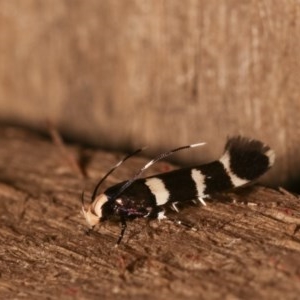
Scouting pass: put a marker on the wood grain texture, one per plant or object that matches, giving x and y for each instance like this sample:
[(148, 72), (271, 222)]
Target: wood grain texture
[(246, 246), (122, 74)]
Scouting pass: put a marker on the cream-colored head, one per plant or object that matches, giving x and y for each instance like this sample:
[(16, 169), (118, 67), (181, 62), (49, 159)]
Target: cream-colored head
[(93, 211)]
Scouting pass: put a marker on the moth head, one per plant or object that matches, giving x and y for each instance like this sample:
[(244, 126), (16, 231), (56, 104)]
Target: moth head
[(93, 211)]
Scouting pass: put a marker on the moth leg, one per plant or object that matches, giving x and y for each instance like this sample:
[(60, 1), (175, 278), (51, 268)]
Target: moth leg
[(201, 200), (183, 223), (157, 213), (161, 215), (174, 206), (153, 212), (123, 228)]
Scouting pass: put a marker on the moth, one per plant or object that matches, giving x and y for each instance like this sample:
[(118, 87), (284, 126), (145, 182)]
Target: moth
[(243, 161)]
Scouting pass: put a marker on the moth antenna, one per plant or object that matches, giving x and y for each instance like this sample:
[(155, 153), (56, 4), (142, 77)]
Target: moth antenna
[(112, 169), (150, 163)]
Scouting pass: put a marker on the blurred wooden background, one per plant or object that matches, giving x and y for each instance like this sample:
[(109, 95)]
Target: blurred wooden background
[(122, 74)]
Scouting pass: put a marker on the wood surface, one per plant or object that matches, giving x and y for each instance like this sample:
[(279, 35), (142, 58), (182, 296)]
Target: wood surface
[(124, 74), (246, 244)]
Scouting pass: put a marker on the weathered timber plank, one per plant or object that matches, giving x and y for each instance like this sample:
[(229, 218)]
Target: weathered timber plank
[(247, 244)]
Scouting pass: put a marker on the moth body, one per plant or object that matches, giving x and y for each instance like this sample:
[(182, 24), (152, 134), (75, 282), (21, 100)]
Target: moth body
[(243, 161)]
